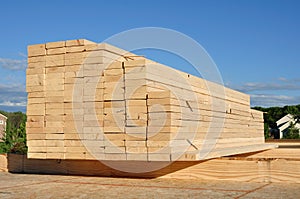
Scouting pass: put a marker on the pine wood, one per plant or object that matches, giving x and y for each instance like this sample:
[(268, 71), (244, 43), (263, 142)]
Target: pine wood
[(156, 106), (3, 163)]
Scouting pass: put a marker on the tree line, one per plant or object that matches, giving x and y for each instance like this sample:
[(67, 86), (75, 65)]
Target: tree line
[(273, 114), (14, 140)]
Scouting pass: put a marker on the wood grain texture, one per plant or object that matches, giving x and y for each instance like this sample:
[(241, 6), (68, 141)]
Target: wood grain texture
[(3, 163)]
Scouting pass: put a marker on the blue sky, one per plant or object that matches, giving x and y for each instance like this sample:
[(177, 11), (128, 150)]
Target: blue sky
[(255, 43)]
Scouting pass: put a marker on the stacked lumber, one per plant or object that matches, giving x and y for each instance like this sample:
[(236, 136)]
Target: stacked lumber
[(194, 115), (95, 101), (54, 70)]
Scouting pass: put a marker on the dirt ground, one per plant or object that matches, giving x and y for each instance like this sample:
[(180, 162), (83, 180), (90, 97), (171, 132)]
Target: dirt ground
[(56, 186)]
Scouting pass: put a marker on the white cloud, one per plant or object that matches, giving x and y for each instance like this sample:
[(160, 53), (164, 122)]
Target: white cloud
[(13, 64), (12, 88), (13, 97), (282, 84), (22, 55), (9, 103), (267, 94), (282, 79), (273, 100), (261, 86)]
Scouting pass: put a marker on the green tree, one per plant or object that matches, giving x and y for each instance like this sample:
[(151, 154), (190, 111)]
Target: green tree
[(267, 131), (273, 114), (292, 132), (14, 140)]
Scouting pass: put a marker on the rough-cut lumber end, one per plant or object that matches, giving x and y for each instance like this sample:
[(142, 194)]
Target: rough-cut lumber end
[(36, 50)]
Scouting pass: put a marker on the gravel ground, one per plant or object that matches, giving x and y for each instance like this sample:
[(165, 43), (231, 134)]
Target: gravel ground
[(56, 186)]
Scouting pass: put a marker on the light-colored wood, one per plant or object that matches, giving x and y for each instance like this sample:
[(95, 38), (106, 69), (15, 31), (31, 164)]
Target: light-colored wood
[(36, 50), (254, 167), (3, 163), (36, 60), (56, 51), (82, 91), (78, 42), (57, 44), (55, 60)]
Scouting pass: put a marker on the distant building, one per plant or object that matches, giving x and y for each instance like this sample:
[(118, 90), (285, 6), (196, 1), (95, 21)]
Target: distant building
[(3, 119), (284, 123)]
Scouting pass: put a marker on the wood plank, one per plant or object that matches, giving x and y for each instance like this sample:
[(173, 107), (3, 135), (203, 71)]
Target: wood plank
[(56, 51), (57, 44), (78, 42), (55, 60), (36, 50)]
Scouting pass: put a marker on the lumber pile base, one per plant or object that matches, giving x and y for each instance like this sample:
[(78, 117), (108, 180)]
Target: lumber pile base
[(276, 165)]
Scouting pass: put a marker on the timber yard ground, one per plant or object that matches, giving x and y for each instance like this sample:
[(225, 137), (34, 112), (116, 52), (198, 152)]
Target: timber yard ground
[(57, 186)]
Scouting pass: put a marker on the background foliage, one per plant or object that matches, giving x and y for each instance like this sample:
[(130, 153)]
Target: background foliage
[(14, 140), (272, 114)]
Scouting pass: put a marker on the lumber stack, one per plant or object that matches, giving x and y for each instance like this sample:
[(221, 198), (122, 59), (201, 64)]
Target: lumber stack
[(95, 101)]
